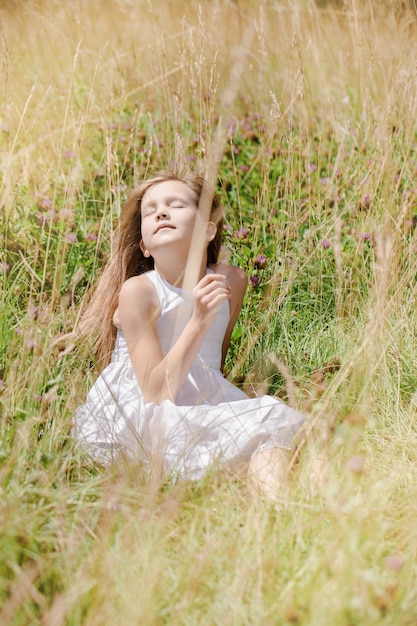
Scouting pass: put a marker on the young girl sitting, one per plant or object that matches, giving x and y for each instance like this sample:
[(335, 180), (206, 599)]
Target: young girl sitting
[(162, 399)]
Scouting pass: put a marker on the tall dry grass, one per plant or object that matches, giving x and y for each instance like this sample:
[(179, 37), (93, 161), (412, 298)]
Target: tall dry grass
[(307, 114)]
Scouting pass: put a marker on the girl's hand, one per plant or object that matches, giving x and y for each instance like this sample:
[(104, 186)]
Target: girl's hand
[(208, 294)]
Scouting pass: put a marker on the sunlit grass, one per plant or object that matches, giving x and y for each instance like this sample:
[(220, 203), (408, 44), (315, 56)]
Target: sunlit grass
[(306, 115)]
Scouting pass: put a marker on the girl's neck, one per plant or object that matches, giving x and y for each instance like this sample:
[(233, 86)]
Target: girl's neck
[(174, 274)]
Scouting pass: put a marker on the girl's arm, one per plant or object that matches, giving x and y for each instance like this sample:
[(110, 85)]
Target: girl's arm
[(160, 377)]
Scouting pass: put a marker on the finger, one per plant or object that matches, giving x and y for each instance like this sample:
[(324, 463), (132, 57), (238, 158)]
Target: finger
[(215, 285), (214, 279), (208, 298), (208, 278), (216, 301)]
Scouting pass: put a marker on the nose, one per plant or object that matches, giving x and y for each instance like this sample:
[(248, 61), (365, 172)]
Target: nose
[(161, 212)]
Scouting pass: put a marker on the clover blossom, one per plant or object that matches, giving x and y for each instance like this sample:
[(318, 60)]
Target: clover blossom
[(260, 261)]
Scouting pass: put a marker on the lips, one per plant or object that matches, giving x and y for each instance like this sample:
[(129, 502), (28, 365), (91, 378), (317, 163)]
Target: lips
[(161, 226)]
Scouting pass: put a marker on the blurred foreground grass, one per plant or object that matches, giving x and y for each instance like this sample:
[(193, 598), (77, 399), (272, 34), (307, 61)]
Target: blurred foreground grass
[(310, 113)]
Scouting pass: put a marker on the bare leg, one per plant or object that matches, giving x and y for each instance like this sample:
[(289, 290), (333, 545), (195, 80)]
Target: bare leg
[(268, 472), (318, 474)]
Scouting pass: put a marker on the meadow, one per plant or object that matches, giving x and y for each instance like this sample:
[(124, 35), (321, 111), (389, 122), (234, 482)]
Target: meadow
[(305, 116)]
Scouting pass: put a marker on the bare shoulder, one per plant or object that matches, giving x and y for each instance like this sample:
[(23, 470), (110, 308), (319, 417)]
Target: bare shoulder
[(137, 286), (236, 277), (137, 297), (238, 282)]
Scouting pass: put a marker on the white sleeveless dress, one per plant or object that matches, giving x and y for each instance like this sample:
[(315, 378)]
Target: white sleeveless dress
[(211, 421)]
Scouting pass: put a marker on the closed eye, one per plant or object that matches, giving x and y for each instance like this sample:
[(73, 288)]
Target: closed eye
[(147, 211)]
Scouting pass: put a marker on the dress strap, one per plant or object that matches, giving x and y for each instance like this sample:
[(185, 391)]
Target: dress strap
[(158, 283)]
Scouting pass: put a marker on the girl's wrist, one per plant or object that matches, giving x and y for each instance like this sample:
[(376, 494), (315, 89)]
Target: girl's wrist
[(198, 325)]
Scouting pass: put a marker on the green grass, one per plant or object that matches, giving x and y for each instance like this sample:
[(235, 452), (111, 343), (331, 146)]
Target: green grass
[(306, 113)]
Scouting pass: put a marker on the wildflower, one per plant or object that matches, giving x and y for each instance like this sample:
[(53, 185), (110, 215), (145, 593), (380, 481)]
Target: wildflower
[(120, 188), (394, 562), (231, 126), (44, 218), (242, 233), (318, 377), (355, 464), (91, 237), (4, 268), (29, 343), (41, 219), (44, 315), (254, 281), (361, 235), (260, 261), (19, 332), (71, 238), (45, 203), (326, 244), (289, 233), (244, 168), (66, 214), (365, 203), (410, 225), (312, 167), (33, 311), (69, 154)]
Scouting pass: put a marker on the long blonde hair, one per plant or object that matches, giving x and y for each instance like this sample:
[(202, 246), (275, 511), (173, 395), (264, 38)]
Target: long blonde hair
[(127, 260)]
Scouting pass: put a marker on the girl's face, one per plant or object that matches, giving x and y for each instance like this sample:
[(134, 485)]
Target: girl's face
[(168, 212)]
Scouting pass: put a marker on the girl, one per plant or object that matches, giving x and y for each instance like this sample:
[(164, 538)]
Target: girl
[(162, 398)]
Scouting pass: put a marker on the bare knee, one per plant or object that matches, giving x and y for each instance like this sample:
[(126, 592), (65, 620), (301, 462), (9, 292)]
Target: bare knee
[(268, 472)]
